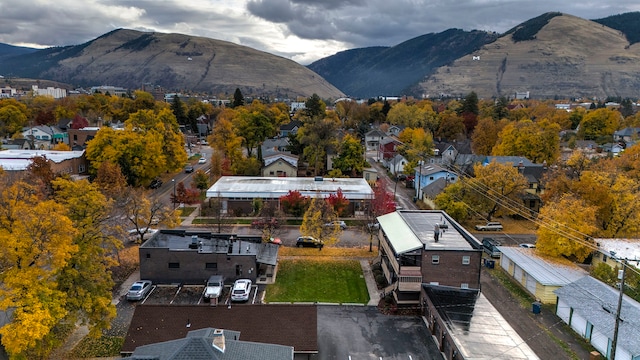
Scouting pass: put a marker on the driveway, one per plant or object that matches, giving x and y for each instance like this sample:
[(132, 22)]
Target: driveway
[(359, 333)]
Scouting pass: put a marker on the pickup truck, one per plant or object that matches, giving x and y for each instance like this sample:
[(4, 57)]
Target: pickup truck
[(490, 226), (214, 286)]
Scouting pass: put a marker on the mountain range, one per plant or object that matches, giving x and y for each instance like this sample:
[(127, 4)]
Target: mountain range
[(552, 55)]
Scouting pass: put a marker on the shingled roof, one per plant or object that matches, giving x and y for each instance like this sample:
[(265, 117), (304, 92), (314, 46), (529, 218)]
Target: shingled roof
[(281, 324)]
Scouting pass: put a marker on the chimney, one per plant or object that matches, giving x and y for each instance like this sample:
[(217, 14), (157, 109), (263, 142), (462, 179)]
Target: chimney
[(218, 340)]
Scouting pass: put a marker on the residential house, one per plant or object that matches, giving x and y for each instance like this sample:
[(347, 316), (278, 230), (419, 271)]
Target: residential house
[(290, 128), (373, 137), (209, 344), (280, 165), (396, 164), (613, 149), (179, 256), (274, 146), (370, 175), (465, 325), (203, 124), (395, 130), (16, 144), (538, 276), (430, 191), (589, 307), (7, 92), (388, 148), (613, 249), (236, 193), (44, 137), (445, 153), (73, 163), (287, 325), (627, 135), (297, 105), (427, 174), (426, 247)]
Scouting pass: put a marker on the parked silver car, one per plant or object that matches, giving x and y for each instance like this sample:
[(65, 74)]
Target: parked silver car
[(139, 290), (490, 226)]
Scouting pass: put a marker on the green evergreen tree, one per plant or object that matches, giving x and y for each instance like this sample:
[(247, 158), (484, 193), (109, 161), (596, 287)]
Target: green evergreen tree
[(238, 98)]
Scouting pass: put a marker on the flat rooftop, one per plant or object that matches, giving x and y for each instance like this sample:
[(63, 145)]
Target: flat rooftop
[(274, 187), (20, 159), (476, 326), (409, 230)]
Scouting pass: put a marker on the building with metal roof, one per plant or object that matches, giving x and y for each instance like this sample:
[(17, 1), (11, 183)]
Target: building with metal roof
[(613, 249), (427, 246), (539, 276), (237, 192), (467, 326), (589, 306)]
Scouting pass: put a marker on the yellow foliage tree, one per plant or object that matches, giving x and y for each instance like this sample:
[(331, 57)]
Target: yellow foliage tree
[(36, 243), (566, 230), (317, 215), (496, 187)]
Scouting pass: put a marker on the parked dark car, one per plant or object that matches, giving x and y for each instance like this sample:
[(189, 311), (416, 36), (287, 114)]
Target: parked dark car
[(188, 169), (155, 183), (309, 241)]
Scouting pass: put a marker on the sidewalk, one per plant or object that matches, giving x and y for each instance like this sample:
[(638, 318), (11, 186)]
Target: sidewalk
[(372, 287), (188, 221)]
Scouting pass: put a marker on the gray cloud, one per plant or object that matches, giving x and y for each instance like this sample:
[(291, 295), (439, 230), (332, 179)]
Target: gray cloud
[(276, 26)]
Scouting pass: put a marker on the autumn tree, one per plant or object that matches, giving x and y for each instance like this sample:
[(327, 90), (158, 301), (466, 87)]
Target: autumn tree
[(272, 219), (36, 242), (496, 187), (79, 122), (566, 229), (383, 201), (599, 123), (140, 211), (350, 158), (110, 180), (453, 200), (294, 203), (485, 136), (318, 136), (417, 146), (13, 117), (338, 202), (255, 126), (86, 278), (200, 180), (317, 215), (225, 139), (537, 141)]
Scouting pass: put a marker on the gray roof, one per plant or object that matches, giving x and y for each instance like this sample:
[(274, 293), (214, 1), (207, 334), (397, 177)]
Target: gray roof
[(544, 271), (198, 345), (597, 303), (408, 230)]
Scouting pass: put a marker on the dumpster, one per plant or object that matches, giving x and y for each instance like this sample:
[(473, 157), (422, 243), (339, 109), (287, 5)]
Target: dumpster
[(491, 264), (536, 306)]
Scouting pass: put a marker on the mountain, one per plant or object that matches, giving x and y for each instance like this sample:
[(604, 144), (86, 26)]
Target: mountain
[(375, 71), (129, 59), (7, 51), (553, 55)]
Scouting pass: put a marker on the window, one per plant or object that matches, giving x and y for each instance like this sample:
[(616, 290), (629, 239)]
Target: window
[(81, 168), (466, 260), (435, 259), (270, 172), (174, 265), (211, 265), (148, 256), (464, 286)]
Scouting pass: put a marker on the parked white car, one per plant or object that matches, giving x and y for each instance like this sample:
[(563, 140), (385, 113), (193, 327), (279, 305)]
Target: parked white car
[(241, 290), (214, 287), (490, 226)]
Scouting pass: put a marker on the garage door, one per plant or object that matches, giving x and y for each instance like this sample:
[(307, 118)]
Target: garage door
[(600, 342), (579, 324), (531, 284), (504, 262), (563, 311), (517, 274)]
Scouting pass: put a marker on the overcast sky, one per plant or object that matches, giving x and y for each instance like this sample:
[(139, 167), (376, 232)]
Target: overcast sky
[(301, 30)]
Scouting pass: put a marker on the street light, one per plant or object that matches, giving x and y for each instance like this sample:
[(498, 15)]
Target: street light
[(174, 193)]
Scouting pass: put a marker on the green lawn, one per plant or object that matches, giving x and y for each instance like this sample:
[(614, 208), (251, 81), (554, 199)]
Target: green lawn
[(332, 281)]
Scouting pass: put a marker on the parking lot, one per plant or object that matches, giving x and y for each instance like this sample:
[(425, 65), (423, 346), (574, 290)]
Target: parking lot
[(194, 295)]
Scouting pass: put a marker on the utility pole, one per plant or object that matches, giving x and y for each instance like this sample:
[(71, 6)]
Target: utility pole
[(614, 342)]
